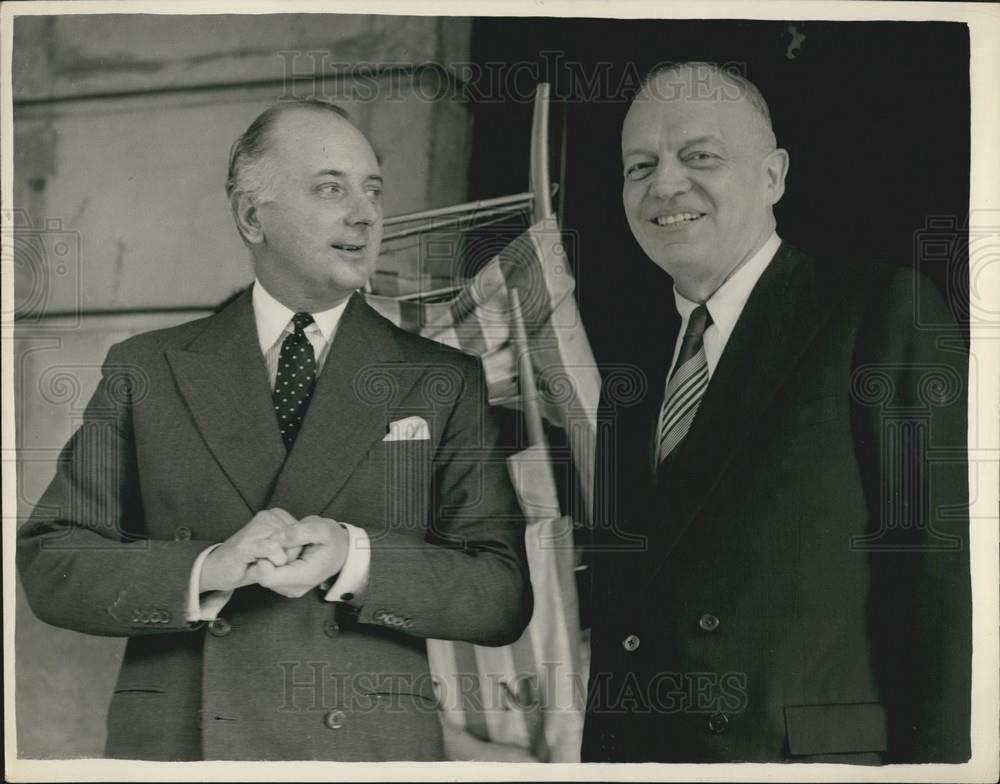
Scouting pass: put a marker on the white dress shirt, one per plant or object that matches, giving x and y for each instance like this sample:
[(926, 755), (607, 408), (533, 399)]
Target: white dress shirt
[(725, 305), (274, 323)]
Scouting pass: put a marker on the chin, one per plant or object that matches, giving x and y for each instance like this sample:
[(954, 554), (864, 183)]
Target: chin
[(345, 285), (350, 277), (674, 263)]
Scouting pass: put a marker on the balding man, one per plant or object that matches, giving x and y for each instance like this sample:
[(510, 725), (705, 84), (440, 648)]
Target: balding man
[(318, 486), (782, 567)]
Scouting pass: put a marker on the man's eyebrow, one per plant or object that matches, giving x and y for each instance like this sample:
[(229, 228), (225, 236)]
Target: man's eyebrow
[(712, 138), (339, 173)]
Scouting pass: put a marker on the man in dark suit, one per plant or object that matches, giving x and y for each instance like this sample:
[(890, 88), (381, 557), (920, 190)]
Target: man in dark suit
[(781, 564), (277, 504)]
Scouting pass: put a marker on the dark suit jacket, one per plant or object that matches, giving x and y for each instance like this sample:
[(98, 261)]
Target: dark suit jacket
[(180, 448), (795, 587)]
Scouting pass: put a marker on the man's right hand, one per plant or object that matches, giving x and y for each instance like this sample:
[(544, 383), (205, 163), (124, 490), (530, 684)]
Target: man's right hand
[(226, 567)]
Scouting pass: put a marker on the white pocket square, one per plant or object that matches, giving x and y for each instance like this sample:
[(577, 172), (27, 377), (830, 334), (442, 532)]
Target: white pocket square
[(412, 428)]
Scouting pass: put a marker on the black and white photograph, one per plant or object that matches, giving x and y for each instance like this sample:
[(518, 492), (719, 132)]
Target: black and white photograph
[(459, 385)]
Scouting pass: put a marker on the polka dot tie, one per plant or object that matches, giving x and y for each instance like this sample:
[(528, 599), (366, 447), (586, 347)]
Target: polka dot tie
[(296, 376)]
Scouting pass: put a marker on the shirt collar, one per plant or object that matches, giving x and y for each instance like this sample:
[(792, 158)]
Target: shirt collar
[(273, 318), (726, 304)]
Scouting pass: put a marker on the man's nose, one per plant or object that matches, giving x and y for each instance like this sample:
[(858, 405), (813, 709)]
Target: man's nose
[(670, 179), (364, 210)]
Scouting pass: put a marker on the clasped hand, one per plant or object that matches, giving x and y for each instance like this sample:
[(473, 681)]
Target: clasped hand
[(289, 556)]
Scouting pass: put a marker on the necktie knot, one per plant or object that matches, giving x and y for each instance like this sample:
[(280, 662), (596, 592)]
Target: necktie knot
[(699, 321), (300, 321)]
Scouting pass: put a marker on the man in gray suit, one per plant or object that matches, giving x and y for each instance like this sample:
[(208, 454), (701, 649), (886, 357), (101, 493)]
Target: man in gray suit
[(276, 504)]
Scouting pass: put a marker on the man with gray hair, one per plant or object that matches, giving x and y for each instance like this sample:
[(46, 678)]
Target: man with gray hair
[(780, 575), (277, 504)]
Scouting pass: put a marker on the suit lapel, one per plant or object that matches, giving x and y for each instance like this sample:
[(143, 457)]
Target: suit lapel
[(222, 377), (341, 425), (647, 413), (781, 317)]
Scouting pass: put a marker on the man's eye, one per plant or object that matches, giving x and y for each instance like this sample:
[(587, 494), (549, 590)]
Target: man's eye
[(375, 193), (329, 188), (637, 170), (702, 157)]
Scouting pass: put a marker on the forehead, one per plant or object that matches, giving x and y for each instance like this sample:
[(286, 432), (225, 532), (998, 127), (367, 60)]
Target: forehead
[(311, 139), (675, 108)]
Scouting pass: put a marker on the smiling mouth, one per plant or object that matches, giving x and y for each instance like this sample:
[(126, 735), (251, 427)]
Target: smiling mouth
[(679, 219), (347, 247)]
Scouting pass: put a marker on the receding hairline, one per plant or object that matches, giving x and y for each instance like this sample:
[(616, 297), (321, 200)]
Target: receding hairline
[(254, 146), (745, 91), (288, 111)]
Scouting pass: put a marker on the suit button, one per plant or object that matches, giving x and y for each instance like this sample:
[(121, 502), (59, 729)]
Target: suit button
[(220, 627), (630, 643), (182, 534), (708, 622), (718, 723), (334, 720), (330, 628)]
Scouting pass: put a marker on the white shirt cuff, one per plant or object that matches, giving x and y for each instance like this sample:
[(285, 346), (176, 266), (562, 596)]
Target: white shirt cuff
[(352, 581), (204, 606)]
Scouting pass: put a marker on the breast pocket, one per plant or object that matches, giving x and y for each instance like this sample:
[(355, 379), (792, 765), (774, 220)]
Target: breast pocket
[(408, 478), (391, 489)]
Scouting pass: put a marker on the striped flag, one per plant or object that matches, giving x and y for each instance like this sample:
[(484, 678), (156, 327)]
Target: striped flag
[(526, 700), (478, 321)]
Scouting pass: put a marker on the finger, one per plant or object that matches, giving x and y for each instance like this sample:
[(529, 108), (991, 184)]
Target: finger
[(292, 572), (272, 551), (312, 526), (251, 576), (286, 518), (266, 521), (269, 520), (264, 572), (317, 530), (317, 519), (288, 581)]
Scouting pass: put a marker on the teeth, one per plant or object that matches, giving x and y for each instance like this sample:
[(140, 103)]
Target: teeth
[(670, 220)]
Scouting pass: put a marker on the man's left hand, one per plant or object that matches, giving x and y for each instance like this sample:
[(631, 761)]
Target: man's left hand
[(323, 544)]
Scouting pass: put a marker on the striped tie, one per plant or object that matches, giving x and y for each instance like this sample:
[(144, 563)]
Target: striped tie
[(686, 387)]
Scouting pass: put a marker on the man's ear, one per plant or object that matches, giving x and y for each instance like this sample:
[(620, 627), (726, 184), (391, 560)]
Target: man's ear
[(775, 170), (247, 221)]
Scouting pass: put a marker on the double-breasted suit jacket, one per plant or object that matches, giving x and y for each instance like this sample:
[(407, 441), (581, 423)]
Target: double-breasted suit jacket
[(793, 584), (180, 447)]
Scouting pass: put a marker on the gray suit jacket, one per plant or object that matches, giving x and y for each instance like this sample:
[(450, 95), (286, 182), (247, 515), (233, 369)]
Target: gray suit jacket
[(180, 448)]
